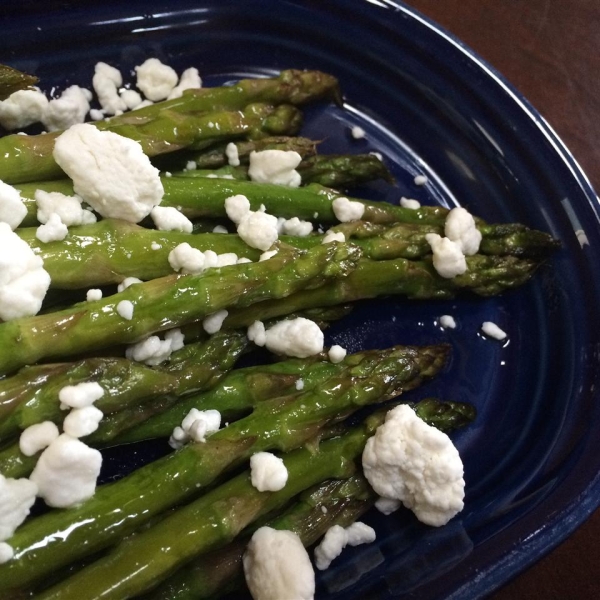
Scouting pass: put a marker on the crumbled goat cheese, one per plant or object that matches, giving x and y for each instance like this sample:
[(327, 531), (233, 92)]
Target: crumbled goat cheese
[(110, 172), (190, 79), (417, 464), (37, 437), (420, 179), (233, 157), (66, 472), (190, 165), (377, 155), (447, 322), (155, 246), (153, 351), (192, 261), (125, 309), (358, 133), (295, 226), (143, 105), (93, 294), (131, 98), (257, 333), (168, 218), (22, 108), (299, 384), (23, 280), (347, 210), (387, 505), (220, 229), (128, 282), (267, 255), (16, 498), (82, 421), (176, 338), (337, 354), (298, 337), (275, 166), (53, 230), (492, 330), (460, 228), (213, 323), (337, 538), (6, 552), (12, 209), (448, 258), (155, 79), (69, 109), (237, 207), (96, 115), (258, 229), (81, 395), (106, 82), (196, 425), (268, 473), (277, 566), (333, 236), (68, 208), (409, 203)]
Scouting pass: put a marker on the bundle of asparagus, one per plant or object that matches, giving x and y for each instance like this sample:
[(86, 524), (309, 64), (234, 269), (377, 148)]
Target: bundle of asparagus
[(133, 536)]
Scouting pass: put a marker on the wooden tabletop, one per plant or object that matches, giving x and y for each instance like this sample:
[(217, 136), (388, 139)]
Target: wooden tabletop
[(550, 50)]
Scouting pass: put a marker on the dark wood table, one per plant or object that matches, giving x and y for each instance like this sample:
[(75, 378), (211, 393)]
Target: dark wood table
[(550, 50)]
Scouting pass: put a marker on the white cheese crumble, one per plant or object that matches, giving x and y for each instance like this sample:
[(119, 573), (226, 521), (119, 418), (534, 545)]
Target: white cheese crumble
[(190, 79), (16, 498), (295, 226), (196, 426), (417, 464), (168, 218), (23, 280), (460, 228), (387, 506), (492, 330), (6, 552), (190, 165), (220, 229), (153, 351), (258, 229), (337, 538), (448, 258), (68, 208), (275, 166), (237, 207), (298, 337), (66, 472), (131, 98), (37, 437), (96, 115), (277, 566), (93, 294), (53, 230), (333, 236), (420, 179), (106, 82), (155, 246), (299, 384), (192, 261), (110, 172), (377, 155), (267, 255), (125, 309), (233, 157), (69, 109), (358, 133), (214, 322), (409, 203), (128, 282), (447, 322), (347, 210), (12, 208), (337, 354), (82, 421), (155, 79), (22, 108), (81, 395), (268, 473)]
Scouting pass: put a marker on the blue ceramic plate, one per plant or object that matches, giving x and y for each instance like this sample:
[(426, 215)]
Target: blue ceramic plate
[(429, 106)]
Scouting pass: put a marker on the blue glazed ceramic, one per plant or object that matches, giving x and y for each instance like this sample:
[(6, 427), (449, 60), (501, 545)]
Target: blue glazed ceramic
[(429, 106)]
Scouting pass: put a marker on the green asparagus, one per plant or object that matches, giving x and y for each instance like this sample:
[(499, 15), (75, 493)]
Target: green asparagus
[(167, 303), (282, 423)]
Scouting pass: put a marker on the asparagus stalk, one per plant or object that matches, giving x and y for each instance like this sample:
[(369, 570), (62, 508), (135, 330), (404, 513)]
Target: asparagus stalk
[(282, 423), (168, 302), (12, 81)]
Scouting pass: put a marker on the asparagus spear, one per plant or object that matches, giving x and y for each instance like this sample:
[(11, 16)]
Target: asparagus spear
[(12, 81), (282, 423), (29, 158), (168, 302), (220, 572)]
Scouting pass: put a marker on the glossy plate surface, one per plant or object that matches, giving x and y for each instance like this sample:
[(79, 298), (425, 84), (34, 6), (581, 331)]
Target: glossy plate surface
[(429, 106)]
